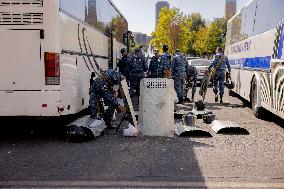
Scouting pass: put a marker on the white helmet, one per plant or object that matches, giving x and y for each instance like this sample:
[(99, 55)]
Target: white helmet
[(131, 131)]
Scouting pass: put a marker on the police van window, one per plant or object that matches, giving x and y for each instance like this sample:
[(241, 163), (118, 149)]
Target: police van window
[(267, 20), (74, 8)]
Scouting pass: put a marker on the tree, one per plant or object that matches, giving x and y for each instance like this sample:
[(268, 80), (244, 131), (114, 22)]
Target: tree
[(188, 33), (169, 30), (197, 21), (200, 45)]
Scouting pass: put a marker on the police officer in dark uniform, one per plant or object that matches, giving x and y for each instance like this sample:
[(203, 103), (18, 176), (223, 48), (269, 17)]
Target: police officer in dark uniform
[(191, 80), (102, 88), (179, 68), (220, 63), (166, 62), (155, 67), (137, 70), (124, 63)]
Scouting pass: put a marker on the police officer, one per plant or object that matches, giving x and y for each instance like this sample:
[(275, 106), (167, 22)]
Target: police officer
[(124, 63), (102, 88), (179, 68), (220, 63), (137, 70), (191, 78), (155, 67), (166, 63)]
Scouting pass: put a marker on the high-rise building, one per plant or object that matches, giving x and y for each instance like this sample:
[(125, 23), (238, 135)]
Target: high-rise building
[(231, 8), (159, 6), (141, 39), (91, 12)]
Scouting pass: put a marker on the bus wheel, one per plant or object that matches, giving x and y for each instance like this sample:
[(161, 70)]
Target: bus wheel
[(258, 111)]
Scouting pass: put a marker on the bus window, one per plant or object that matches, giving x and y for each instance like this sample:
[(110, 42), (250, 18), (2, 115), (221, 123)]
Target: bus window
[(236, 35), (248, 20), (268, 20), (100, 14), (74, 8)]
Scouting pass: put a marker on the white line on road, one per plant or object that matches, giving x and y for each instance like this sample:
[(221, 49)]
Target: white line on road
[(138, 184)]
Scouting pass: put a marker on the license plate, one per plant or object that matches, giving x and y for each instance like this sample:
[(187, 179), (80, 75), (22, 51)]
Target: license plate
[(202, 71)]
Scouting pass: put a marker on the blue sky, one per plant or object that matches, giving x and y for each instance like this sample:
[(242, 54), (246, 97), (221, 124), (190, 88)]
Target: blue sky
[(141, 13)]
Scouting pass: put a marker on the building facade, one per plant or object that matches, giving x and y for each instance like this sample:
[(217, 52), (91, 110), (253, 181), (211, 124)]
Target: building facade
[(141, 39), (231, 8), (159, 6)]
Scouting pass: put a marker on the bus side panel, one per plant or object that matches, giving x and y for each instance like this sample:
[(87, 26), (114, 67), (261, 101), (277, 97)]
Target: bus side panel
[(77, 68), (116, 53)]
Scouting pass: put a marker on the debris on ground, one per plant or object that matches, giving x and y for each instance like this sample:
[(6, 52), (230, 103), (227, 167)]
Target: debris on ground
[(195, 131), (84, 128), (228, 127), (130, 131)]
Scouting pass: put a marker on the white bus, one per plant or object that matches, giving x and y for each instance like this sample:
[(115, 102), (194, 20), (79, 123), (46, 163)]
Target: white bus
[(49, 50), (254, 46)]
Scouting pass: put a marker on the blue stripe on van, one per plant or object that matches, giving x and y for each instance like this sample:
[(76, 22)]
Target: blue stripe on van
[(262, 63)]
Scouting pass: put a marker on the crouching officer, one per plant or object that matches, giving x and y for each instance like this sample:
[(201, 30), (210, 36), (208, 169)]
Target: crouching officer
[(102, 88), (219, 65)]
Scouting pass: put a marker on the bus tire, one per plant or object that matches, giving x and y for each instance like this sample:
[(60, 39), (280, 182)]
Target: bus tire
[(258, 111)]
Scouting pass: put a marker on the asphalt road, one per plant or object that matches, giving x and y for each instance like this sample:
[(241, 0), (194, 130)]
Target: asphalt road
[(36, 154)]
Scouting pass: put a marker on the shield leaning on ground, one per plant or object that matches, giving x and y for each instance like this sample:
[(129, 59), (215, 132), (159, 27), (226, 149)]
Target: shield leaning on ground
[(228, 127), (182, 130)]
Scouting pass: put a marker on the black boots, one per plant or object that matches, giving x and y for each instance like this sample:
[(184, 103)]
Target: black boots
[(216, 98), (180, 101), (221, 99)]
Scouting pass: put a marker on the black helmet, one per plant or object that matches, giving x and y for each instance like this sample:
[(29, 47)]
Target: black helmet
[(199, 104), (123, 50), (113, 76), (165, 48)]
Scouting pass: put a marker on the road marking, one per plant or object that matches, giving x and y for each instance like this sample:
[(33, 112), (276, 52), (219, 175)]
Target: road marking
[(138, 184)]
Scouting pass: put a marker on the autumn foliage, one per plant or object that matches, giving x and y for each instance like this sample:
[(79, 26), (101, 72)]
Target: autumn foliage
[(189, 33)]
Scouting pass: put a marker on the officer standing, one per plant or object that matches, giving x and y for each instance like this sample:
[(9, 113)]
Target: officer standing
[(155, 67), (166, 63), (102, 88), (179, 68), (125, 63), (219, 64), (191, 78), (137, 70)]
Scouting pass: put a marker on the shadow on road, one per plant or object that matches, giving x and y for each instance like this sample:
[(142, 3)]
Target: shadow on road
[(36, 150), (28, 128)]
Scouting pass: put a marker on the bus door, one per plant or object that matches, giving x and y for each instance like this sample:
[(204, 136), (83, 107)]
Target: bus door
[(21, 65)]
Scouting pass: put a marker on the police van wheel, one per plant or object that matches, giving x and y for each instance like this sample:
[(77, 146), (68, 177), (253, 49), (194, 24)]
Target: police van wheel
[(258, 111)]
